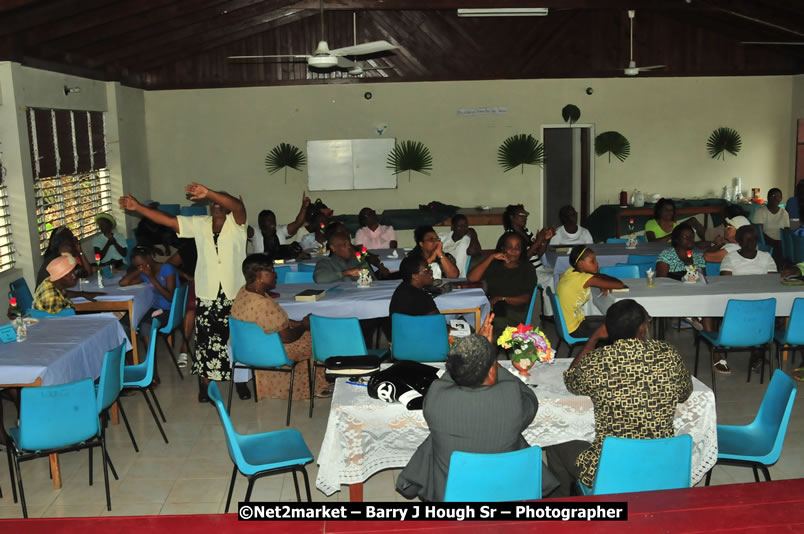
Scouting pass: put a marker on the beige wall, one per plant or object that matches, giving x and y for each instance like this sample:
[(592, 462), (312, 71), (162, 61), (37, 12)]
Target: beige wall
[(220, 137), (798, 113)]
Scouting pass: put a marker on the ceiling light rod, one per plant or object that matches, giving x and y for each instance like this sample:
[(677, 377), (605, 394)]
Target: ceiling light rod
[(503, 12)]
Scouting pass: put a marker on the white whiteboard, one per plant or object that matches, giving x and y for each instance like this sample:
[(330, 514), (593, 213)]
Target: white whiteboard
[(346, 164)]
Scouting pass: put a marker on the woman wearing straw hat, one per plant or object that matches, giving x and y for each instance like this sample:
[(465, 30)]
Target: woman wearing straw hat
[(110, 245), (53, 295)]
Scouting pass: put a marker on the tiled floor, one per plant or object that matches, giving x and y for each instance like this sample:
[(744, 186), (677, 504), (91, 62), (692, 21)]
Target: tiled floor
[(191, 474)]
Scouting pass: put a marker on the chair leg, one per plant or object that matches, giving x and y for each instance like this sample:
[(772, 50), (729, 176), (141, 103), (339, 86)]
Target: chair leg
[(306, 484), (296, 485), (90, 466), (156, 401), (310, 382), (106, 473), (312, 389), (173, 356), (697, 353), (290, 394), (248, 490), (756, 473), (571, 350), (153, 413), (709, 476), (10, 467), (762, 370), (712, 367), (765, 472), (231, 390), (18, 472), (231, 488), (128, 427)]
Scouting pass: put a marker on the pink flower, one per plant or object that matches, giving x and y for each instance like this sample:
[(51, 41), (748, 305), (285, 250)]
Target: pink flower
[(97, 257), (12, 301), (364, 250), (631, 220), (689, 253), (357, 255)]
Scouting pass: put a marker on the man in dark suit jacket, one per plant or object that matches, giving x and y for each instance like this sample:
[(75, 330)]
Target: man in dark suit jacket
[(476, 406)]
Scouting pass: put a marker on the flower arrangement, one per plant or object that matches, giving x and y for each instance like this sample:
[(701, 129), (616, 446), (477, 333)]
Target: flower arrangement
[(364, 273), (631, 242), (692, 273), (362, 258), (530, 345)]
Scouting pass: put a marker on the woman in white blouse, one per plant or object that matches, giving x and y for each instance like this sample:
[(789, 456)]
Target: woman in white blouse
[(221, 242), (747, 260)]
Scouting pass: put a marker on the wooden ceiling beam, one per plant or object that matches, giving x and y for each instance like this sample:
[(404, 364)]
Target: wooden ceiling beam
[(40, 13), (425, 5), (8, 5)]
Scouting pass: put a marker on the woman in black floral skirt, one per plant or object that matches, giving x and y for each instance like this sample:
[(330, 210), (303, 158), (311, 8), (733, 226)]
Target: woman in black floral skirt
[(221, 242)]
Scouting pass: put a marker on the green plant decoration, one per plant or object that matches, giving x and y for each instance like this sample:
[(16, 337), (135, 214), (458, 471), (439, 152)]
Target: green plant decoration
[(723, 140), (410, 156), (522, 149), (614, 143), (283, 156), (571, 113)]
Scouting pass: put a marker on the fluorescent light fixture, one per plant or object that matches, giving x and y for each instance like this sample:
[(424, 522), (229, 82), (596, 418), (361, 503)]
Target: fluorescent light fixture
[(503, 12)]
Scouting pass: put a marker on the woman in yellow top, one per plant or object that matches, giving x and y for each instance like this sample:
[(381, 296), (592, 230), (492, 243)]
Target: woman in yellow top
[(573, 291), (220, 238), (664, 220)]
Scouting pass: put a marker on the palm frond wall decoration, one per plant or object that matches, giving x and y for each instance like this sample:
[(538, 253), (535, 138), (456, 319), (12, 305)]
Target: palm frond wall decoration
[(284, 156), (571, 113), (723, 140), (613, 143), (521, 149), (410, 156)]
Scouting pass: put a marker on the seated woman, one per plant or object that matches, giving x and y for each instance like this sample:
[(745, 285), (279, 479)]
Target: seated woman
[(510, 281), (664, 220), (62, 241), (460, 242), (728, 243), (747, 260), (515, 219), (372, 234), (253, 304), (340, 264), (673, 262), (573, 291), (410, 297), (570, 233), (430, 247), (52, 294), (110, 245)]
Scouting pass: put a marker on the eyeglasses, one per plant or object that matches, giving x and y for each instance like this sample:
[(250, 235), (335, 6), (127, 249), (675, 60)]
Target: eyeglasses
[(432, 240)]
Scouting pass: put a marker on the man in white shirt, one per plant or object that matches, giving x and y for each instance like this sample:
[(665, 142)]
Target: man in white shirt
[(267, 229), (570, 234), (747, 259), (461, 242), (718, 251), (372, 234)]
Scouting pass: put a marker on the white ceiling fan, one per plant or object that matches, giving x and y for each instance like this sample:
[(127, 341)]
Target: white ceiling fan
[(632, 69), (325, 58)]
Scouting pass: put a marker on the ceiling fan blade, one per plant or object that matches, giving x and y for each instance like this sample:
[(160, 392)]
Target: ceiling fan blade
[(776, 43), (363, 49), (344, 63), (305, 56), (651, 67)]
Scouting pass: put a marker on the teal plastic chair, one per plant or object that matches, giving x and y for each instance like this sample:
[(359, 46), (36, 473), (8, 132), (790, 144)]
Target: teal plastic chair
[(747, 324), (130, 245), (498, 477), (261, 455), (40, 314), (254, 349), (108, 389), (306, 268), (798, 248), (793, 337), (420, 338), (56, 419), (170, 209), (529, 318), (294, 277), (140, 377), (664, 463), (621, 271), (712, 268), (761, 234), (759, 444), (787, 244), (468, 262), (175, 322), (561, 325), (638, 259), (336, 336), (19, 290), (189, 211), (642, 268)]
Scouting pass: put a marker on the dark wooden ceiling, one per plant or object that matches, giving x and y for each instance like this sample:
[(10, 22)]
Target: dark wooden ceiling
[(162, 44)]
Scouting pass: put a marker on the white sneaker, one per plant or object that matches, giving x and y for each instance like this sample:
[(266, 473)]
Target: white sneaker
[(183, 359)]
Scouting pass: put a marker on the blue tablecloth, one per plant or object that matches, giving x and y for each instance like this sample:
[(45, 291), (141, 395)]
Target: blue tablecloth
[(142, 294), (384, 253), (608, 254), (61, 349)]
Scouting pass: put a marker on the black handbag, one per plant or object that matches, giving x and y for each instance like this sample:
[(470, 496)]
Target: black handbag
[(405, 381), (352, 365)]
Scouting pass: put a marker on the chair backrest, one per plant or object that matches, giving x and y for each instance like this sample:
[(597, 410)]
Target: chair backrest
[(419, 338), (306, 268), (294, 277), (641, 267), (111, 377), (232, 442), (253, 347), (189, 211), (336, 336), (40, 314), (747, 323), (713, 268), (616, 240), (19, 290), (787, 243), (636, 259), (760, 230), (798, 248), (177, 305), (621, 271), (147, 366), (507, 476), (170, 209), (558, 319), (773, 416), (532, 304), (468, 262), (662, 464), (130, 244), (795, 326), (57, 416)]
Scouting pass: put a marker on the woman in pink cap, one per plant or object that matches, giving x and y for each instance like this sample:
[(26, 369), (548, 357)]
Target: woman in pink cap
[(52, 295)]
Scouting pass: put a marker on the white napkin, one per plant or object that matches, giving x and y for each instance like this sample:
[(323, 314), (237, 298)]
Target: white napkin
[(394, 254)]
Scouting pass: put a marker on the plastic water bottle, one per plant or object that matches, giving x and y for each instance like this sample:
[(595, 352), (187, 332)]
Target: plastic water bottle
[(22, 330)]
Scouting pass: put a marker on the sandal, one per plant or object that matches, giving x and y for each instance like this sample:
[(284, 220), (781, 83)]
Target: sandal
[(756, 364), (324, 394), (798, 374), (722, 366)]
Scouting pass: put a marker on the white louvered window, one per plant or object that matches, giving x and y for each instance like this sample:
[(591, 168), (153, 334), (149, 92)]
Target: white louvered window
[(6, 241)]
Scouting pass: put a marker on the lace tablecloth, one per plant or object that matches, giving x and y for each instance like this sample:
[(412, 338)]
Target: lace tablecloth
[(365, 435)]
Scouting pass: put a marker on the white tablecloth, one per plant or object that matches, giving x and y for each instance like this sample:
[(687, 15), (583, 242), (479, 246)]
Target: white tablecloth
[(384, 253), (365, 435), (142, 294), (348, 300), (61, 349), (608, 255), (671, 298)]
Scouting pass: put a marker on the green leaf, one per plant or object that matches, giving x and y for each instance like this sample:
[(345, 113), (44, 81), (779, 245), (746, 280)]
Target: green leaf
[(522, 149), (571, 113), (410, 156), (284, 156), (723, 140), (613, 143)]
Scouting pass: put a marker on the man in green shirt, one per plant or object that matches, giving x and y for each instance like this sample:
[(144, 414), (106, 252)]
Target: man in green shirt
[(340, 264)]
